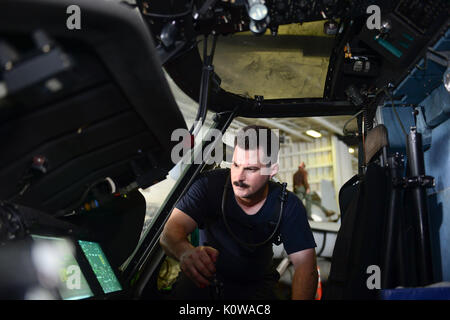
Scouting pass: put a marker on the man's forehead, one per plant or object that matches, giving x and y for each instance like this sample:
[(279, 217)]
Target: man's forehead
[(247, 157)]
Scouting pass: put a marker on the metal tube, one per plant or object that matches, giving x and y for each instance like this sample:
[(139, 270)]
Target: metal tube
[(361, 160), (205, 86), (389, 280), (416, 169)]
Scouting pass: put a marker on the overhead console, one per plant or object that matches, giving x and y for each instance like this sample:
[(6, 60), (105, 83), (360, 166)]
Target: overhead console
[(378, 57), (229, 16), (406, 29), (259, 15), (364, 61)]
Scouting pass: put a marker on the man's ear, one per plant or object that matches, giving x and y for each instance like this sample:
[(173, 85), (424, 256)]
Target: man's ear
[(274, 169)]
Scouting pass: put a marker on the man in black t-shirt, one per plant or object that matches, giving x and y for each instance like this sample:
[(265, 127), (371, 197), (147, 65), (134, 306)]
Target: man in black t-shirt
[(237, 213)]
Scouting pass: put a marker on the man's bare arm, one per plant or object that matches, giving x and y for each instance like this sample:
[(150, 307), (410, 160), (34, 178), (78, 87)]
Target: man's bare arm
[(174, 238), (304, 284)]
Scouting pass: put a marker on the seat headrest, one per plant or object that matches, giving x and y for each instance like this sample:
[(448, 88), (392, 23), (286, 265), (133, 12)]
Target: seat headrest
[(376, 139)]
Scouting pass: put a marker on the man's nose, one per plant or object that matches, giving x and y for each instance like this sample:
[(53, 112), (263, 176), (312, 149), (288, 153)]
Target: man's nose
[(241, 175)]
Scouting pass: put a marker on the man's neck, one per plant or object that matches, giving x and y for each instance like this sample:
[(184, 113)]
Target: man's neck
[(253, 204)]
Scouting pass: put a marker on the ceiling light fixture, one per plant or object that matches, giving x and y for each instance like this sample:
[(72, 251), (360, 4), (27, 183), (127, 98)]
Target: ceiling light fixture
[(313, 133), (259, 16)]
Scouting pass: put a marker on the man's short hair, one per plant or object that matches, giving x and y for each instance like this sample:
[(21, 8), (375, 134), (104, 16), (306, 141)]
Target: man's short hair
[(253, 137)]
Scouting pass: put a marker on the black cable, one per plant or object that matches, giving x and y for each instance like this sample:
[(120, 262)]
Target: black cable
[(224, 196), (172, 16), (398, 117), (207, 63), (80, 202), (11, 224), (188, 47), (213, 49), (168, 15), (205, 49), (366, 110), (368, 119), (395, 112), (344, 129), (323, 244), (21, 192)]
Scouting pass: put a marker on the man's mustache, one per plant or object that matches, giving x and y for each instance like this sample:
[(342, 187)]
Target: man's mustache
[(240, 184)]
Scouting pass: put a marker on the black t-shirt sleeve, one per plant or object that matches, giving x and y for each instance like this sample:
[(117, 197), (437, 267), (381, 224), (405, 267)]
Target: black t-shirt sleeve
[(194, 201), (295, 231)]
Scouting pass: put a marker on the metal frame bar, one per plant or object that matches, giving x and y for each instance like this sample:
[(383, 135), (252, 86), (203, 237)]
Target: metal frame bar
[(148, 255), (417, 168)]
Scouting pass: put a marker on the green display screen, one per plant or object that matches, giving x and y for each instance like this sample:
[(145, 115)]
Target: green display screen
[(100, 265), (58, 255)]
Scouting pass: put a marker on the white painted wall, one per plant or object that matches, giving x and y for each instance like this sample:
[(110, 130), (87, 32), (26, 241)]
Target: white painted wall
[(317, 156), (326, 158)]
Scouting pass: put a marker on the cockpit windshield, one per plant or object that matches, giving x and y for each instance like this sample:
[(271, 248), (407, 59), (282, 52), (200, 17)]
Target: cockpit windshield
[(293, 64)]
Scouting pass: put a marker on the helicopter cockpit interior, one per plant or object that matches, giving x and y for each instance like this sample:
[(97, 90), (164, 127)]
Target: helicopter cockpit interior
[(88, 110)]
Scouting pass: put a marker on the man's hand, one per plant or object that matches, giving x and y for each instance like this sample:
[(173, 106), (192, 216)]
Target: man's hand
[(199, 264)]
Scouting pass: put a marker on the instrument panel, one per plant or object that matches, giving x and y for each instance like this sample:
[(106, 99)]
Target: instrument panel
[(229, 16)]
